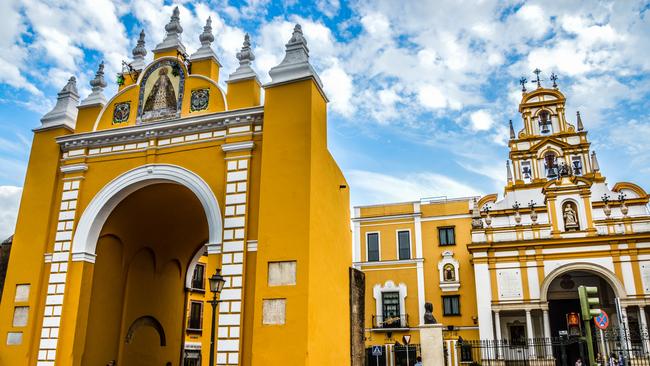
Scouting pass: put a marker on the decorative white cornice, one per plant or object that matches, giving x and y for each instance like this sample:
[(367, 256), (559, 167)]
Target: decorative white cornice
[(251, 245), (238, 146), (74, 168), (213, 248), (84, 257), (145, 132)]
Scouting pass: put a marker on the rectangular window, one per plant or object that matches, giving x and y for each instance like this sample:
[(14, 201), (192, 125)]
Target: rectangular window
[(451, 305), (372, 240), (404, 244), (196, 315), (446, 236), (197, 277), (390, 310)]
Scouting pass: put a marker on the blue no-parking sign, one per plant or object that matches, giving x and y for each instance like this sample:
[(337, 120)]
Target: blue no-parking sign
[(602, 320)]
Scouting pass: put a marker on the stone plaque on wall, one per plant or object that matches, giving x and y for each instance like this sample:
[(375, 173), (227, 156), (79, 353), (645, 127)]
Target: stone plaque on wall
[(509, 283), (22, 293), (20, 316), (274, 311), (282, 273), (14, 338), (645, 276)]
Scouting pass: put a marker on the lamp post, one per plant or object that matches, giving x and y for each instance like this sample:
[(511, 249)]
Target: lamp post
[(216, 285)]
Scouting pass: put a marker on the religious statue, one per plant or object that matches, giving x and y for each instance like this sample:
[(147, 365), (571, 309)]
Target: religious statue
[(570, 218), (428, 314), (162, 95), (448, 273)]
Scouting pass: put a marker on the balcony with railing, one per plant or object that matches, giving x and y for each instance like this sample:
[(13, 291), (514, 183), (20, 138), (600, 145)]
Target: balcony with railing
[(390, 323)]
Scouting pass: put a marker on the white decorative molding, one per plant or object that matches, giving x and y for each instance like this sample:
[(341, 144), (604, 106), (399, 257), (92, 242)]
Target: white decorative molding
[(386, 263), (94, 216), (84, 257), (390, 286), (251, 245), (448, 259), (238, 146), (175, 127), (74, 168)]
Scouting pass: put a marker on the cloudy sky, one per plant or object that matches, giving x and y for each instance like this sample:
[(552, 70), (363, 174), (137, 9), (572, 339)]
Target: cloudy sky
[(421, 91)]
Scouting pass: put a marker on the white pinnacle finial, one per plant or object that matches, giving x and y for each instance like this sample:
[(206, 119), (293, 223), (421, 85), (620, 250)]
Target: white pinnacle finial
[(65, 111), (206, 51), (594, 162), (295, 65), (509, 172), (98, 84), (139, 52), (245, 57), (173, 38)]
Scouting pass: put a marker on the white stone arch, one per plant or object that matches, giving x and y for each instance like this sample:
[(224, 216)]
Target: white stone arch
[(596, 269), (94, 216)]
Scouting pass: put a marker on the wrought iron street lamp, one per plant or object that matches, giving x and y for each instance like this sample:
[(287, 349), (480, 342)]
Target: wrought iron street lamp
[(216, 285)]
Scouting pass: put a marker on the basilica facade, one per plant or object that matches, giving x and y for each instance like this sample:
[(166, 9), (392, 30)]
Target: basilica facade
[(126, 197), (504, 271)]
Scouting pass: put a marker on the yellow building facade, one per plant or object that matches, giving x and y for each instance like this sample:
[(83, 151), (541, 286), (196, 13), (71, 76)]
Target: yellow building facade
[(413, 253), (126, 196)]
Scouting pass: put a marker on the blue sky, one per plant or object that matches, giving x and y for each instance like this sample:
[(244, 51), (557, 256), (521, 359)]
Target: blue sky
[(421, 91)]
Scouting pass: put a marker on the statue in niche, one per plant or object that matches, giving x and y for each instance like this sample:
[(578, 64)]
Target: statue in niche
[(428, 314), (448, 273), (162, 96), (570, 214)]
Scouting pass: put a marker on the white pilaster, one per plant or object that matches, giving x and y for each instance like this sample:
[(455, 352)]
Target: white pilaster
[(483, 300), (420, 265), (497, 327), (547, 333)]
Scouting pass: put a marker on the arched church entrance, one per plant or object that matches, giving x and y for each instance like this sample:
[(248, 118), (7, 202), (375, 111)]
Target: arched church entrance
[(137, 304), (564, 309), (143, 230)]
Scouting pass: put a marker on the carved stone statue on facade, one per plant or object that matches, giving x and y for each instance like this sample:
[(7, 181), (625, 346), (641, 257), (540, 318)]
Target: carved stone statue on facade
[(428, 314), (570, 218)]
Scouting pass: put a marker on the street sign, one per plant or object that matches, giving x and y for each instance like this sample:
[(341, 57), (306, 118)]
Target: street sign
[(602, 320), (376, 351), (406, 339)]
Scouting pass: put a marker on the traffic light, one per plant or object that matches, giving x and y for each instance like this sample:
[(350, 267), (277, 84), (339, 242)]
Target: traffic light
[(588, 302)]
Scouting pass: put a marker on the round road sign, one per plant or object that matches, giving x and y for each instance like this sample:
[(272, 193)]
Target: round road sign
[(602, 320)]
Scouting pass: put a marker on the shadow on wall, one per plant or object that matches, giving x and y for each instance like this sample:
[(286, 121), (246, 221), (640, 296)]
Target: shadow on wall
[(5, 249)]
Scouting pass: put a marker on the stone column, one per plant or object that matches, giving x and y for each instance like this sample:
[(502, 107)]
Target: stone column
[(497, 328), (547, 333), (644, 329), (626, 328), (530, 333), (431, 345)]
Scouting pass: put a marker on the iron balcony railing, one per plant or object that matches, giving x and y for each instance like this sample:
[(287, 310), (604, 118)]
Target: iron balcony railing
[(391, 322)]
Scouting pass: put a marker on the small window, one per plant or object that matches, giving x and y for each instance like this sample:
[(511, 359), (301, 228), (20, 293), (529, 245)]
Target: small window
[(196, 315), (404, 244), (451, 305), (446, 236), (372, 240), (197, 277)]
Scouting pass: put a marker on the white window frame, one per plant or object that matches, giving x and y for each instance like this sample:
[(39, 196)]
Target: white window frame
[(378, 244), (389, 286), (397, 244)]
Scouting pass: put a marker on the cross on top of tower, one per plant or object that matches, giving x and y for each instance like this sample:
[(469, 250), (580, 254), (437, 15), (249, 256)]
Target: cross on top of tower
[(538, 80), (523, 82), (554, 80)]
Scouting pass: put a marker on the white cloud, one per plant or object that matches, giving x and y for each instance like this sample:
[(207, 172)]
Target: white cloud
[(9, 201), (371, 187), (481, 120)]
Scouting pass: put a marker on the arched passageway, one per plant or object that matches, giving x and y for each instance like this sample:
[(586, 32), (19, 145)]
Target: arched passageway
[(142, 255)]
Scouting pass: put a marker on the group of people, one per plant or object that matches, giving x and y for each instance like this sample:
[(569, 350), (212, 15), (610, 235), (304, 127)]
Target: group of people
[(613, 360)]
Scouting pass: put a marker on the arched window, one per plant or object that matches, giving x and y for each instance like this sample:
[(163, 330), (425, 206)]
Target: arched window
[(550, 163), (545, 122), (449, 273)]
